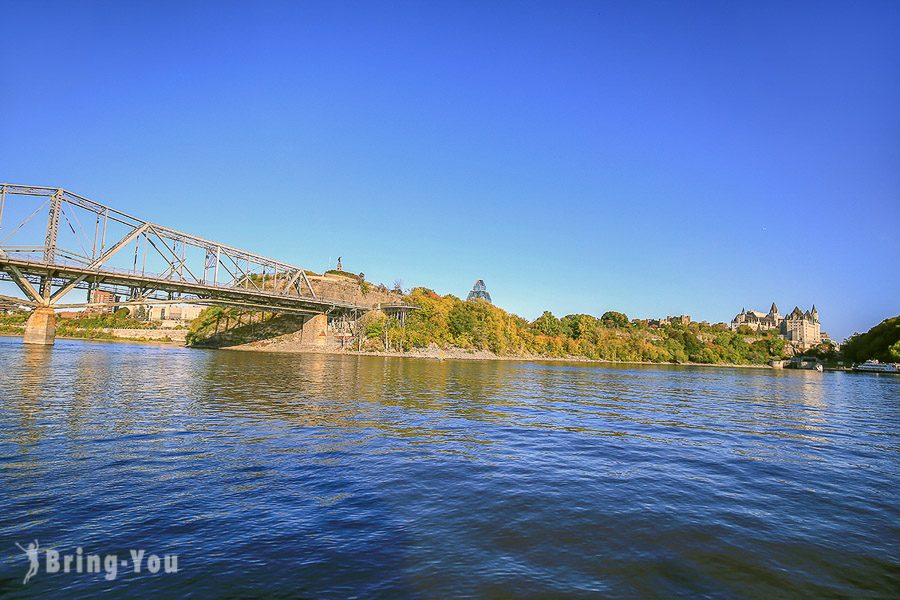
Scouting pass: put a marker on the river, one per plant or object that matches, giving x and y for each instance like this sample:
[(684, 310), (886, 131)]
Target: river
[(337, 476)]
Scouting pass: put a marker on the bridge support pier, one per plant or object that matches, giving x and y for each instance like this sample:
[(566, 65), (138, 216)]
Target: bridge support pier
[(315, 330), (41, 327)]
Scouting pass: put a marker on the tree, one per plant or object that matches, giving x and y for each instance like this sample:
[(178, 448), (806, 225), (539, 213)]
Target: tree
[(894, 351), (612, 318), (546, 324), (461, 320), (372, 324), (578, 326), (878, 343)]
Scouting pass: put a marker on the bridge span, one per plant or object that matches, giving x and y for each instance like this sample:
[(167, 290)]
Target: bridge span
[(53, 242)]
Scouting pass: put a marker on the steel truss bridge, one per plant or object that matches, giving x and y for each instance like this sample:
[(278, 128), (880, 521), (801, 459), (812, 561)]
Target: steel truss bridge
[(53, 242)]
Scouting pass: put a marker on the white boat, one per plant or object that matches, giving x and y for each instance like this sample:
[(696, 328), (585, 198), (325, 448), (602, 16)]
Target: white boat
[(873, 366)]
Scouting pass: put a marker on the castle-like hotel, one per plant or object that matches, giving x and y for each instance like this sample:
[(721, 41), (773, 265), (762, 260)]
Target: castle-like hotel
[(802, 329)]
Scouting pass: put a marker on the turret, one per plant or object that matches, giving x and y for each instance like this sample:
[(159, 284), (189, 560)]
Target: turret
[(815, 314), (773, 310)]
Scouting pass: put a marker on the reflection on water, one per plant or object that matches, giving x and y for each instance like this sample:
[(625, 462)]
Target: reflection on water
[(339, 475)]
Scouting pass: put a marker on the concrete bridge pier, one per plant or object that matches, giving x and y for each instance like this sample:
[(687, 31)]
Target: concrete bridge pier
[(40, 329), (315, 330)]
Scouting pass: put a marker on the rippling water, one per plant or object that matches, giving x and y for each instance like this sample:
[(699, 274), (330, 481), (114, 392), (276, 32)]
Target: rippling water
[(336, 476)]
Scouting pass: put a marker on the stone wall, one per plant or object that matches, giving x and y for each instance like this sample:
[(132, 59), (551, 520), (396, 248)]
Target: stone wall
[(348, 289)]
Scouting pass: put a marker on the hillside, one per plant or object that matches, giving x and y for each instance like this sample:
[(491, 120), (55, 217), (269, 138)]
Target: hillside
[(447, 321), (451, 324), (882, 342)]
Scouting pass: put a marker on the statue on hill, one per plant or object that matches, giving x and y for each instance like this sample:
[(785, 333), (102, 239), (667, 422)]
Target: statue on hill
[(339, 266)]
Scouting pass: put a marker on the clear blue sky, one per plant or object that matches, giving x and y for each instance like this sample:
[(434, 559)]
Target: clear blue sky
[(654, 158)]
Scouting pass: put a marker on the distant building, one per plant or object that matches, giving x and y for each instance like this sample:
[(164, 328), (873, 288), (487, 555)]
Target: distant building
[(173, 315), (802, 329), (479, 291), (107, 299), (758, 321), (10, 306), (670, 320)]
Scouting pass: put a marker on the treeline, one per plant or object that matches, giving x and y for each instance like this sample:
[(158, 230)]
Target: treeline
[(447, 321), (84, 325), (121, 319), (882, 343), (13, 323)]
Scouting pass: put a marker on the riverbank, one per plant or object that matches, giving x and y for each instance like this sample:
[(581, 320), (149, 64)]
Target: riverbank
[(439, 354), (424, 354), (100, 327), (107, 337)]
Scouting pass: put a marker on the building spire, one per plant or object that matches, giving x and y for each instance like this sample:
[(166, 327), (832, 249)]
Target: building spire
[(479, 292)]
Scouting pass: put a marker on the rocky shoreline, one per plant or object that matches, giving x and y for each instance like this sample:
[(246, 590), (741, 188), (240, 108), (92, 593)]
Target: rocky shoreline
[(434, 353)]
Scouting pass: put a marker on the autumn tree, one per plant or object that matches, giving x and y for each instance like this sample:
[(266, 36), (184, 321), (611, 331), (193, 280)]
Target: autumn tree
[(612, 318)]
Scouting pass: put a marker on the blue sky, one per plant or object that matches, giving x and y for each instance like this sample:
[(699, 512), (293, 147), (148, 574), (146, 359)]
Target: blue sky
[(649, 157)]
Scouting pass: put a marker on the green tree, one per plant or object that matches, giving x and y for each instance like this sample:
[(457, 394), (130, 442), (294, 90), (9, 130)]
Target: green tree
[(894, 351), (546, 324), (612, 318), (372, 325), (877, 343), (461, 319), (578, 326)]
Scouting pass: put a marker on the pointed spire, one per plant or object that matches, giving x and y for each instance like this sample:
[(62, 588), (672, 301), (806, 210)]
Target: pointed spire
[(773, 310), (479, 291)]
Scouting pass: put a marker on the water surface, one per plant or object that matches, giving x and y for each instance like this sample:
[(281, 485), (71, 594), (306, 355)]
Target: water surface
[(337, 476)]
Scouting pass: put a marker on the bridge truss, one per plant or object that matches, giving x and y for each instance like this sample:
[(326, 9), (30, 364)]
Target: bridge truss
[(53, 242)]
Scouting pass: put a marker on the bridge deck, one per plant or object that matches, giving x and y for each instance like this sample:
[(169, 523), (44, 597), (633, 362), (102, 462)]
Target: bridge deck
[(188, 291)]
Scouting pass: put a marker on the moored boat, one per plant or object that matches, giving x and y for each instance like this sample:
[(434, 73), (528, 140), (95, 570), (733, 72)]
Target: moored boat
[(874, 366)]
